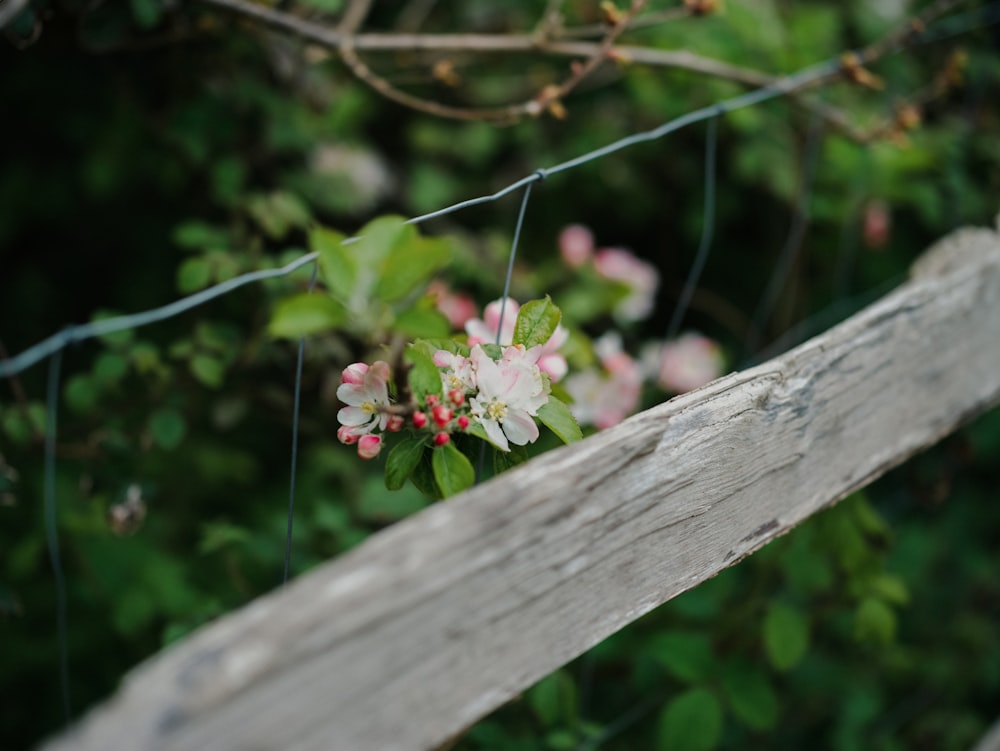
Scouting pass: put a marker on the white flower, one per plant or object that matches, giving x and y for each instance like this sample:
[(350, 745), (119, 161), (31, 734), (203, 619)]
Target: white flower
[(365, 391), (510, 394), (456, 373)]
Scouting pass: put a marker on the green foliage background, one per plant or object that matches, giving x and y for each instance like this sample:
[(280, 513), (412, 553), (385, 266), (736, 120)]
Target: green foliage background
[(152, 149)]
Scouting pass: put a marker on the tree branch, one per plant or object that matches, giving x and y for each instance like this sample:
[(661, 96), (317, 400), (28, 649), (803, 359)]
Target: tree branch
[(560, 42)]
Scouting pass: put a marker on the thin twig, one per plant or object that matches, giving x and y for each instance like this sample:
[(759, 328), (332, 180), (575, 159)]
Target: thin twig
[(544, 42)]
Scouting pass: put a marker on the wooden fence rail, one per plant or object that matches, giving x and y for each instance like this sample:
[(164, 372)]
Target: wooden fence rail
[(434, 622)]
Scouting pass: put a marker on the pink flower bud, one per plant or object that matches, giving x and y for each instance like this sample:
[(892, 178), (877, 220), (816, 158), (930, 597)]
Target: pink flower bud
[(877, 226), (433, 400), (463, 422), (354, 373), (441, 415), (457, 397), (419, 420), (346, 436), (395, 423), (369, 446), (576, 245), (441, 439)]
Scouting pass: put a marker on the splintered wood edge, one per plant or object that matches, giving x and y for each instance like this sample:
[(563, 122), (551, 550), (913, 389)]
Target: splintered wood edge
[(434, 622)]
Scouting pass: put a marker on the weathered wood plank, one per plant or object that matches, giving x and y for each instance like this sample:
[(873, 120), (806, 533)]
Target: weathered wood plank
[(439, 619)]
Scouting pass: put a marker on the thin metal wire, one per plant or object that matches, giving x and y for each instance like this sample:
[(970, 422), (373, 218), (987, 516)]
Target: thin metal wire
[(793, 242), (46, 347), (295, 441), (510, 260), (56, 342), (52, 529), (707, 233), (506, 293)]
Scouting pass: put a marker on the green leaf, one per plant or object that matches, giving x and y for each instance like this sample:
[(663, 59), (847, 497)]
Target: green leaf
[(336, 263), (196, 235), (874, 621), (422, 322), (409, 265), (556, 417), (194, 274), (327, 6), (751, 696), (402, 460), (278, 212), (218, 535), (380, 237), (168, 428), (305, 314), (786, 635), (686, 655), (146, 13), (453, 472), (553, 699), (691, 722), (502, 460), (110, 368), (890, 588), (423, 477), (536, 322), (424, 377), (81, 393), (208, 370)]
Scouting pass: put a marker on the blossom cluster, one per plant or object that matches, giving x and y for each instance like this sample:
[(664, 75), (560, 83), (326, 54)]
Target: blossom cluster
[(501, 397)]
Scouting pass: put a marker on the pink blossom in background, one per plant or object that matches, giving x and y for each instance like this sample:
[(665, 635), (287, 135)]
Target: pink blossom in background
[(642, 279), (457, 307), (877, 224), (606, 398), (576, 245), (484, 331), (690, 361)]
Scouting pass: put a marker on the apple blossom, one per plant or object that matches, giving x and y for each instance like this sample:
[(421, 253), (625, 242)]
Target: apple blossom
[(576, 245), (364, 398), (510, 394), (690, 361), (606, 398), (641, 278), (457, 307)]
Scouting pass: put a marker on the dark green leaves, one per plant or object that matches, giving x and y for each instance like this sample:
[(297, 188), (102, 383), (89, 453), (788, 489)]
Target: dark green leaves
[(691, 722), (786, 635), (555, 415), (536, 322), (686, 655), (402, 460), (453, 472), (751, 696)]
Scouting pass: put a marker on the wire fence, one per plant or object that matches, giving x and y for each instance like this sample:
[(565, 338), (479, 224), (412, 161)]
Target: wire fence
[(52, 347)]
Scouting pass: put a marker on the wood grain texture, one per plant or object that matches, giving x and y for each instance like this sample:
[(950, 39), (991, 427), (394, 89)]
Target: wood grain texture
[(435, 621)]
